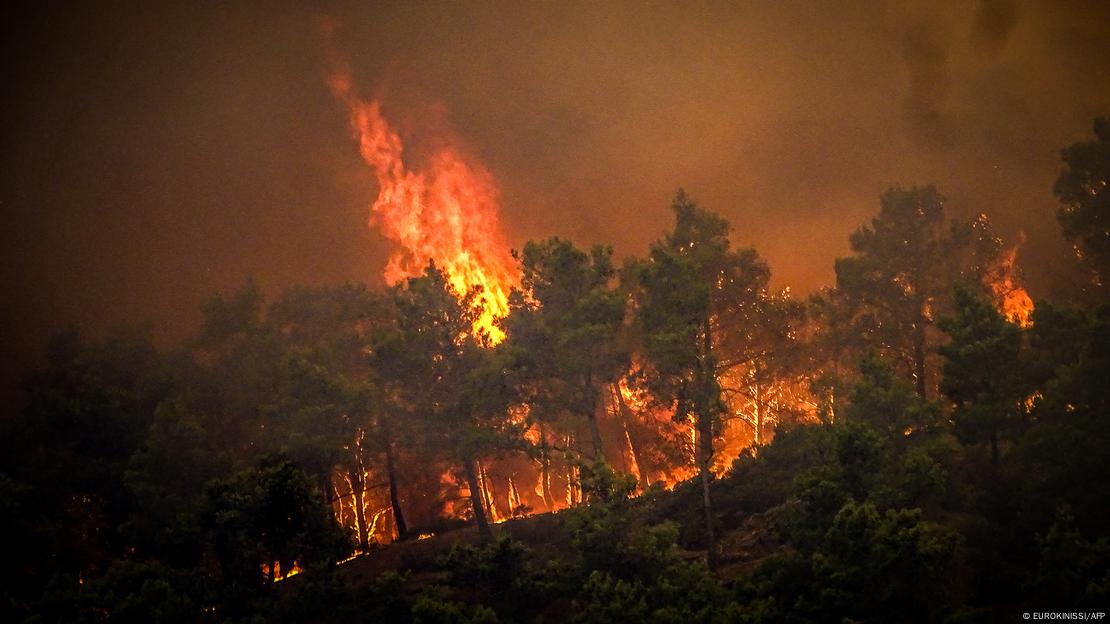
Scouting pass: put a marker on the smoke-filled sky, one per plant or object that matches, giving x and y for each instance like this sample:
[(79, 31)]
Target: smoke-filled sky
[(153, 156)]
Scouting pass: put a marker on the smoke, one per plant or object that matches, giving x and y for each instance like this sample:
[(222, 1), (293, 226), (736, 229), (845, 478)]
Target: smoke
[(925, 50), (994, 22), (154, 155)]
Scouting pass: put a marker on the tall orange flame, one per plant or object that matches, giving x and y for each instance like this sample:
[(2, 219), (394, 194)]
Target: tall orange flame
[(1010, 296), (448, 213)]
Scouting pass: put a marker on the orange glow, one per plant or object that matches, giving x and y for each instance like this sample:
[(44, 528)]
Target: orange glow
[(1031, 401), (448, 213), (279, 573), (1010, 296)]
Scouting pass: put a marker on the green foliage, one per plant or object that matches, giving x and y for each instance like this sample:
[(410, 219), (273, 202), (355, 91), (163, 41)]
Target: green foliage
[(687, 593), (1062, 450), (564, 332), (1056, 339), (226, 319), (637, 574), (980, 375), (430, 608), (505, 576), (888, 403), (1081, 189), (87, 412), (265, 515), (167, 477), (1072, 571), (918, 480), (889, 565), (499, 564), (151, 486), (386, 599), (759, 482), (901, 276), (601, 484), (689, 290), (137, 592)]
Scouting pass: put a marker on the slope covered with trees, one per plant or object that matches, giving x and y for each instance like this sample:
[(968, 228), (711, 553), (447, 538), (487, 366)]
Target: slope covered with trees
[(661, 441)]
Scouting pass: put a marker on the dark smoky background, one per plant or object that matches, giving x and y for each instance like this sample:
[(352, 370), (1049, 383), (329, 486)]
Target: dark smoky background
[(155, 155)]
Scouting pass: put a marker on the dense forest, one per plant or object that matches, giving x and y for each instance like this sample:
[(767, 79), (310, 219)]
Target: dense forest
[(661, 439)]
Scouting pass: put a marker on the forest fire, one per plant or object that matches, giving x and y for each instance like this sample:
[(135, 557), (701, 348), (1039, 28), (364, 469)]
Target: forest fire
[(1004, 281), (284, 349), (447, 213)]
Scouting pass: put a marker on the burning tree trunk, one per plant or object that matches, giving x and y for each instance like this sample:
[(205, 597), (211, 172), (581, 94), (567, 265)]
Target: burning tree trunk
[(516, 504), (626, 415), (394, 498), (489, 495), (484, 533), (759, 414), (545, 472), (354, 474), (595, 429)]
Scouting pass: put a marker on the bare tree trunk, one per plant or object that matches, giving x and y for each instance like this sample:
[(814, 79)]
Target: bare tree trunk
[(626, 415), (994, 448), (758, 414), (705, 444), (545, 472), (357, 488), (515, 502), (595, 430), (476, 501), (394, 497), (572, 480), (337, 500), (489, 494), (919, 351)]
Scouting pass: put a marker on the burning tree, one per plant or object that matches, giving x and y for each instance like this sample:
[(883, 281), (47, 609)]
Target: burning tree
[(447, 213), (448, 378), (906, 263), (324, 403), (688, 292), (565, 329), (766, 369)]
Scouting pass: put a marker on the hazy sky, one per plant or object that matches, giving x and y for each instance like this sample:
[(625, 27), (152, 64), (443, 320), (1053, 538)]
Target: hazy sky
[(152, 156)]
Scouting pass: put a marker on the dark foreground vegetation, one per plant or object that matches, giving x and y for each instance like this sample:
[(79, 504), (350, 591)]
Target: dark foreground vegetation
[(950, 465)]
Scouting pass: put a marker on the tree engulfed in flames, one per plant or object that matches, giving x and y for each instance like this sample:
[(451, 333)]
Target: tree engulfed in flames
[(1004, 281), (447, 213)]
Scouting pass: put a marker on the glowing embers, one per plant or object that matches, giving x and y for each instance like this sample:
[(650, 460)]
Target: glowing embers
[(448, 212), (278, 573)]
